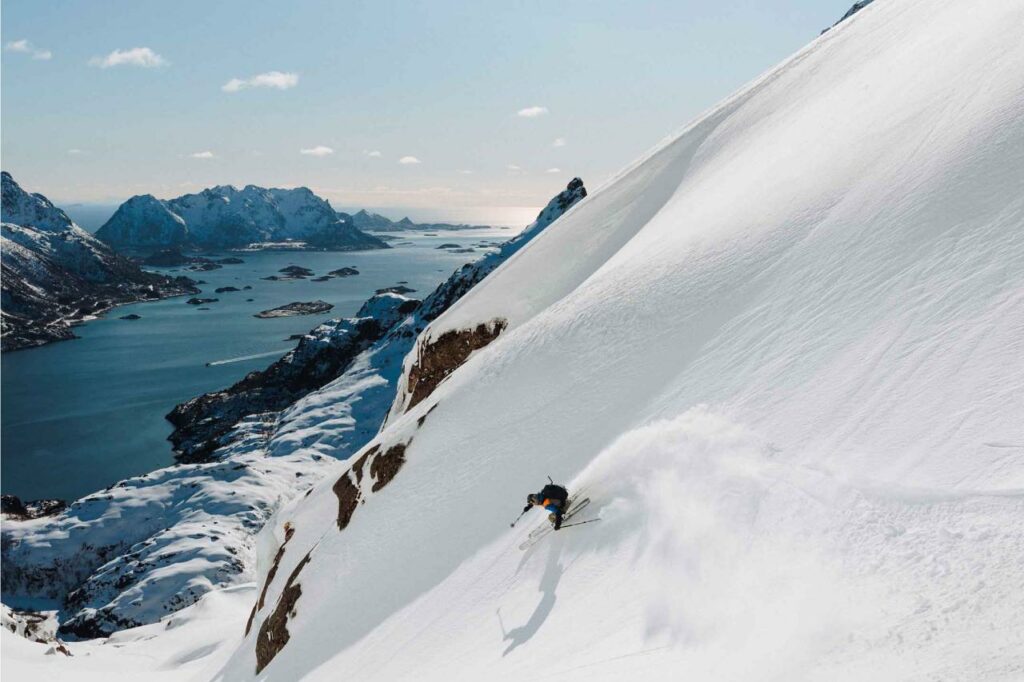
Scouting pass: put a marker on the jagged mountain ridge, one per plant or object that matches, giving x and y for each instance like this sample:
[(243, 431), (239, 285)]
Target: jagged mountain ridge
[(226, 217), (56, 274), (375, 222)]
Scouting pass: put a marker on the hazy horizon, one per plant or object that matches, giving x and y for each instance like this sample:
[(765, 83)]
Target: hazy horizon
[(92, 215)]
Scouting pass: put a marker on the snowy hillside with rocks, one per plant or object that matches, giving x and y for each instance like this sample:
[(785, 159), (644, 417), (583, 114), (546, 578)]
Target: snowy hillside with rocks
[(151, 545), (360, 357), (55, 274), (781, 355), (227, 217)]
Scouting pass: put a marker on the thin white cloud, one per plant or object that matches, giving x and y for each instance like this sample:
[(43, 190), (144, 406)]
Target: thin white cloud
[(553, 170), (532, 112), (409, 160), (559, 142), (319, 150), (75, 152), (136, 56), (278, 80), (465, 171), (202, 155), (26, 47), (512, 167), (372, 153)]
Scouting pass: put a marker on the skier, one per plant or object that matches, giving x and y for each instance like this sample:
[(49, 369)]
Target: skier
[(554, 498)]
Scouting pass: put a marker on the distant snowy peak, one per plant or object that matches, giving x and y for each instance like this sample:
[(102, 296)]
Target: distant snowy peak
[(144, 220), (365, 220), (375, 222), (225, 216)]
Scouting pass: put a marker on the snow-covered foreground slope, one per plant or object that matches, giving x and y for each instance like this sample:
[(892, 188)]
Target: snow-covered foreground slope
[(188, 645), (781, 355)]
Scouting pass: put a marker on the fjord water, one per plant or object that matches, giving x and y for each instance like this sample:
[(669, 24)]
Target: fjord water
[(80, 415)]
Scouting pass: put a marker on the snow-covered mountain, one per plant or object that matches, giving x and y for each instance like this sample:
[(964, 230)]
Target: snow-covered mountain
[(360, 356), (224, 216), (56, 274), (151, 545), (781, 354)]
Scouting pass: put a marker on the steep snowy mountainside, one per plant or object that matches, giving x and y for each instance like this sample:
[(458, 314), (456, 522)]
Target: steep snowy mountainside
[(781, 355), (35, 210)]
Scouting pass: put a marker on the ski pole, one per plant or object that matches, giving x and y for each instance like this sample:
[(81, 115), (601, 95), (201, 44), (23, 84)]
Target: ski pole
[(513, 524), (579, 523)]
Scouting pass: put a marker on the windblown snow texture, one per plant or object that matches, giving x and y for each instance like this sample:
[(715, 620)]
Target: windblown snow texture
[(782, 354)]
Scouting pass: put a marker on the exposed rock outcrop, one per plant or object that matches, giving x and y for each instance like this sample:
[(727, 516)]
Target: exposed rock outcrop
[(856, 7), (13, 507), (437, 359)]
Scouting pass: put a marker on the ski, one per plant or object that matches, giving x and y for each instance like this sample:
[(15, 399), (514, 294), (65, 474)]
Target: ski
[(537, 533)]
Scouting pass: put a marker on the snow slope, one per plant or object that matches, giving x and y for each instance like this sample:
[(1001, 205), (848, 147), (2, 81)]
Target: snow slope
[(781, 354)]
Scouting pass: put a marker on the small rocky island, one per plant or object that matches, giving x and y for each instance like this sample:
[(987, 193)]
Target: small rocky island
[(297, 308), (291, 272), (400, 289)]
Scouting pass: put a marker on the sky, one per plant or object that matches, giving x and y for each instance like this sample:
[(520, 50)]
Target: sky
[(459, 110)]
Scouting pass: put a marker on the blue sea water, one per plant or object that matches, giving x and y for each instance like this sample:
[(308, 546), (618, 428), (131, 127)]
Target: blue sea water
[(79, 415)]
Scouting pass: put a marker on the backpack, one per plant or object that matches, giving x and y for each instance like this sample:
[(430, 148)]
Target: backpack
[(554, 492)]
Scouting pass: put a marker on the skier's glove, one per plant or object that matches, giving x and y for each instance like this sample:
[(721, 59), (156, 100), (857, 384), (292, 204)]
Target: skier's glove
[(527, 508)]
